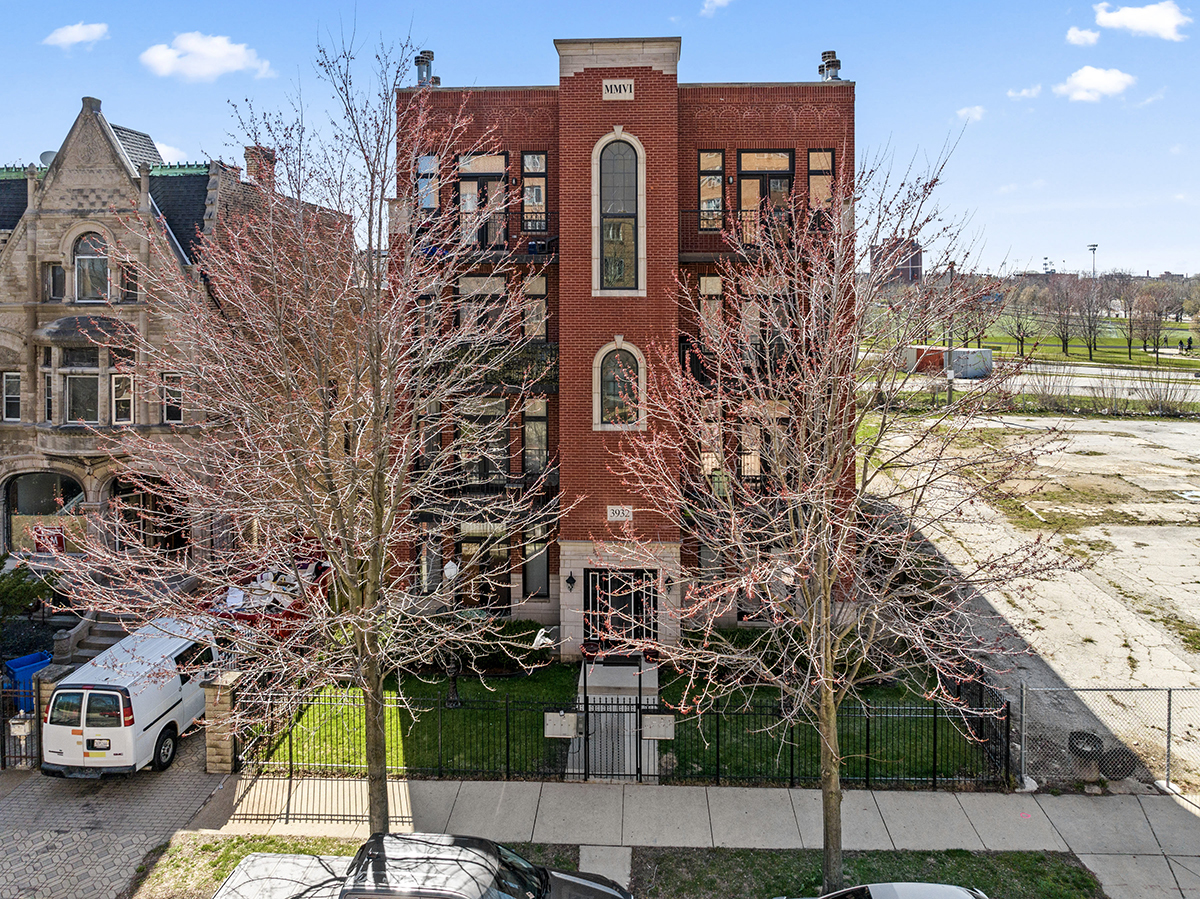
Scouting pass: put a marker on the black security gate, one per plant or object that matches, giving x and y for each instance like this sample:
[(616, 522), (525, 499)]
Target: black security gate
[(19, 728), (620, 603)]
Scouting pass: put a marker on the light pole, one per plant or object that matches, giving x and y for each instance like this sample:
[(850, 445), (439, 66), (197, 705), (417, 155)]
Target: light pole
[(1092, 247)]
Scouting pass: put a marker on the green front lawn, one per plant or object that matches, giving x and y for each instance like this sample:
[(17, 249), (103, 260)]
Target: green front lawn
[(498, 732)]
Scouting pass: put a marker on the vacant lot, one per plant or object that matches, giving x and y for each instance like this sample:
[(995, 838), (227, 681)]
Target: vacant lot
[(1124, 497)]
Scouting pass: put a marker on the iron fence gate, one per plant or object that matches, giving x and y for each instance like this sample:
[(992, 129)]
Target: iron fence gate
[(20, 728), (884, 744), (1088, 733)]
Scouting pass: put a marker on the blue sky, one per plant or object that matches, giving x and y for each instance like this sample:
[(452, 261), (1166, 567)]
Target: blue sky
[(1079, 123)]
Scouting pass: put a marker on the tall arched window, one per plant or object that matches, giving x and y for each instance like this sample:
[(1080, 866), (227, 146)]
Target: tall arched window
[(619, 388), (91, 268), (618, 216)]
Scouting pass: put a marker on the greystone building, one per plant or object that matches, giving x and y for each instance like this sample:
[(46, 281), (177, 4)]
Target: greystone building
[(63, 292)]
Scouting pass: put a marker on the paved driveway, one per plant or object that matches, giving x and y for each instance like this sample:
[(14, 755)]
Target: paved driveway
[(83, 839)]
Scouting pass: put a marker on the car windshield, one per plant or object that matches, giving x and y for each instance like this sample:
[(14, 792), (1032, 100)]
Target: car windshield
[(517, 878), (66, 709)]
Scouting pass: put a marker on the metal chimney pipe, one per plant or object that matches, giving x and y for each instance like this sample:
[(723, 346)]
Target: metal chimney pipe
[(830, 66), (424, 63)]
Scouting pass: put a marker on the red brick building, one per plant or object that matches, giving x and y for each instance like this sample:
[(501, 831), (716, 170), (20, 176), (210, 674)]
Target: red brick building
[(627, 178)]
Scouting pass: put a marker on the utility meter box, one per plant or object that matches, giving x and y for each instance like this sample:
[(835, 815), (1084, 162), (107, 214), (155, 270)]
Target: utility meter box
[(658, 727), (561, 725)]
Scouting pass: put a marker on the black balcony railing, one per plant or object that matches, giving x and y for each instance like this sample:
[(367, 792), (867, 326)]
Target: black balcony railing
[(515, 230), (717, 231)]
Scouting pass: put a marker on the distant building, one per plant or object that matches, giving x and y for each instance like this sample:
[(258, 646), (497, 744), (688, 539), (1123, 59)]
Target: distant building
[(900, 260)]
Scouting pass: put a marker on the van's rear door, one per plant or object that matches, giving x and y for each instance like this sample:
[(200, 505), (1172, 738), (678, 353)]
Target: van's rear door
[(62, 735), (105, 741)]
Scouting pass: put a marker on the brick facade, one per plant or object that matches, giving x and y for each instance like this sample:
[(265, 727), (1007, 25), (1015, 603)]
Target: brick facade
[(669, 124)]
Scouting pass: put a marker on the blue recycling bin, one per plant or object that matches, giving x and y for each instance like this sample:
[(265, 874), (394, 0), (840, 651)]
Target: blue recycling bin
[(22, 670)]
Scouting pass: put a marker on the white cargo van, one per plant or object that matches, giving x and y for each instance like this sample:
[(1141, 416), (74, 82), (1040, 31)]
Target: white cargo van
[(127, 707)]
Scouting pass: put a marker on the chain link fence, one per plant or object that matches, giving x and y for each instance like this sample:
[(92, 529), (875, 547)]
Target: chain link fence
[(1111, 733)]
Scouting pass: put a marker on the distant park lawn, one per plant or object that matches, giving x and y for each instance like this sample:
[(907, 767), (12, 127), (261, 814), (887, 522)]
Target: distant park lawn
[(1111, 349)]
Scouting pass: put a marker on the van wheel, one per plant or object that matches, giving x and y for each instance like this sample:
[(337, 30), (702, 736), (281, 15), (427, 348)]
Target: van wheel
[(164, 749)]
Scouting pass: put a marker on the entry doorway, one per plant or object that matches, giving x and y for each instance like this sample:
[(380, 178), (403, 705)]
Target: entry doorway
[(620, 604)]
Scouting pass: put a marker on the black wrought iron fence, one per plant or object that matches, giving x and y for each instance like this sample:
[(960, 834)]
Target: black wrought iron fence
[(20, 729), (884, 744)]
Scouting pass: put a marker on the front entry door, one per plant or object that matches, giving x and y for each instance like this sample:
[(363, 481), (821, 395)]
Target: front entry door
[(620, 604)]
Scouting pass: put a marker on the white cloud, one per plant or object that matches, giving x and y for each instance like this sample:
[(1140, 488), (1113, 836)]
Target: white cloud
[(1090, 84), (711, 6), (1026, 93), (70, 35), (971, 113), (171, 154), (204, 57), (1154, 97), (1155, 20), (1082, 37)]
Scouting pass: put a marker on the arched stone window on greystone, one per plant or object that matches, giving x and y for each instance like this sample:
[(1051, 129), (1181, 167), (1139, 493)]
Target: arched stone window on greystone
[(618, 216), (91, 269), (43, 513), (618, 388)]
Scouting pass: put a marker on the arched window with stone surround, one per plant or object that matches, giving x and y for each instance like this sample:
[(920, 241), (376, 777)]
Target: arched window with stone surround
[(91, 268), (619, 388), (618, 216)]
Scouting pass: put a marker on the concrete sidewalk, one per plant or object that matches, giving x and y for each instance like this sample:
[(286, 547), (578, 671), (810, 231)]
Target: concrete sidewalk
[(1140, 847)]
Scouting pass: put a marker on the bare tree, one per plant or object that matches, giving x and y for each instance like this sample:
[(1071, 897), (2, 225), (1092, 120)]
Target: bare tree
[(1061, 309), (348, 398), (1092, 313), (1019, 316), (1118, 289), (1154, 302), (792, 453)]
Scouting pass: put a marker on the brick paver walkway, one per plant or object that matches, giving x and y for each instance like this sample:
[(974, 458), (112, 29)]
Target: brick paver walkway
[(83, 839)]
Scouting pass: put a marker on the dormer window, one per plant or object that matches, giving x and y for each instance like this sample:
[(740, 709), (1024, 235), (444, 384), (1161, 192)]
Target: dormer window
[(91, 269)]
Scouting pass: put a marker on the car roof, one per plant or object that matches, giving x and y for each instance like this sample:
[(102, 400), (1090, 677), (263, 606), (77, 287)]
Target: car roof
[(423, 864), (138, 655), (917, 891)]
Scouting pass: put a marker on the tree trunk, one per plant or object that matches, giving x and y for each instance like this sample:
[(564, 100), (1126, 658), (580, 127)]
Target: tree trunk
[(1066, 348), (1130, 347), (376, 747), (831, 794)]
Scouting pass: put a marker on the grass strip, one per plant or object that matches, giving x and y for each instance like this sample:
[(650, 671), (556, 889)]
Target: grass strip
[(764, 873)]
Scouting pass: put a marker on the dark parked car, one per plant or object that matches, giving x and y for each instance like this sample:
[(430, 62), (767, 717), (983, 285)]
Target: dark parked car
[(443, 866)]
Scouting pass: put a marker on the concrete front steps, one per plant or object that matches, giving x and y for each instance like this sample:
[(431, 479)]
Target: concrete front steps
[(105, 631)]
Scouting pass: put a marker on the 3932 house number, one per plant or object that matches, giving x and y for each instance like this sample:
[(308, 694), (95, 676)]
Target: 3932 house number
[(620, 513)]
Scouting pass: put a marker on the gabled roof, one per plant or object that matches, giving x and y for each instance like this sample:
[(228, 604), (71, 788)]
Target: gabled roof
[(180, 199), (138, 146), (14, 196)]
